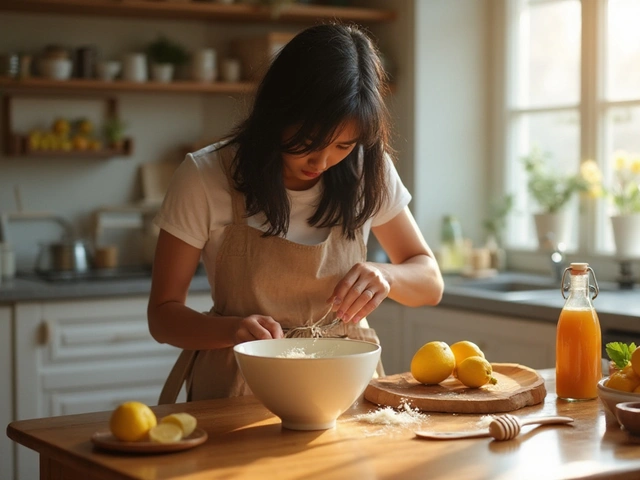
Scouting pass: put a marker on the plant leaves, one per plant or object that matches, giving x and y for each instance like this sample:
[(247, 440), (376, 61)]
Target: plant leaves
[(620, 353)]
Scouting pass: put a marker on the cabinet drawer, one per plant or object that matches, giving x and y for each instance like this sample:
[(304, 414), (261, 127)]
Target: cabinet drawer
[(87, 375), (85, 331), (100, 400)]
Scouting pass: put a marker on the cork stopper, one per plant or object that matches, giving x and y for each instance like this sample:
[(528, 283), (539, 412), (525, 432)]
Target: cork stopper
[(578, 268)]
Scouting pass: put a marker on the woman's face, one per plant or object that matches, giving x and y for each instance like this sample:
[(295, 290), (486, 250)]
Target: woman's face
[(303, 171)]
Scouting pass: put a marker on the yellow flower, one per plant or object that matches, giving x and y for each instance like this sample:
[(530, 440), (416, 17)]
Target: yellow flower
[(635, 166), (620, 160), (590, 172)]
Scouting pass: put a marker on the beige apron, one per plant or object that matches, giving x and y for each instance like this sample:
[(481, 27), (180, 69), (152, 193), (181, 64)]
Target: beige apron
[(268, 276)]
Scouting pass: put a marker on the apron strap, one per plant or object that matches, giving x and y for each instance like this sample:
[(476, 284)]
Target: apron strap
[(180, 372), (237, 199)]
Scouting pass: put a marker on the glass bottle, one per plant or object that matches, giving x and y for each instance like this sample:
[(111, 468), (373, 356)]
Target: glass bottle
[(578, 338), (452, 245)]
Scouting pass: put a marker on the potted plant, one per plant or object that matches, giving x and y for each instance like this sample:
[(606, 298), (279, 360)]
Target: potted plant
[(164, 55), (552, 191), (624, 195), (114, 129), (494, 225)]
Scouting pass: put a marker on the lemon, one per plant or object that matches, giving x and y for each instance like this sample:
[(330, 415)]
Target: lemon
[(165, 433), (464, 349), (185, 421), (475, 372), (432, 363), (131, 421), (624, 381)]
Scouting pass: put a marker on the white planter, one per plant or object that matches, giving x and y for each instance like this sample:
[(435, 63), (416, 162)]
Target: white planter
[(162, 72), (626, 234), (552, 229)]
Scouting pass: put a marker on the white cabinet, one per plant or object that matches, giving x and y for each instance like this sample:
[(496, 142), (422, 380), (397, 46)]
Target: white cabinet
[(86, 356), (387, 321), (502, 339), (6, 401)]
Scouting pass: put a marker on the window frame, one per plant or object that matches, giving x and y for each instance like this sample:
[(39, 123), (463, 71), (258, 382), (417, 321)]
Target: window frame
[(593, 108)]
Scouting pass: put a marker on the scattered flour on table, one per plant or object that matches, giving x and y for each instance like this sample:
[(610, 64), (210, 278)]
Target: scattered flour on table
[(405, 415), (296, 352)]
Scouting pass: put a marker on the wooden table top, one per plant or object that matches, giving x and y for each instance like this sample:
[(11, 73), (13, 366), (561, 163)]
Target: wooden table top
[(247, 441)]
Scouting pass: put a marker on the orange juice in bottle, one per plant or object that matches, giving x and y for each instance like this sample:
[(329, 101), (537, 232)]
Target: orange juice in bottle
[(578, 339)]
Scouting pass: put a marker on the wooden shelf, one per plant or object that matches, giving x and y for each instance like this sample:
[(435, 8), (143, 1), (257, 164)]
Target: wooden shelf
[(103, 153), (18, 145), (74, 85), (200, 11)]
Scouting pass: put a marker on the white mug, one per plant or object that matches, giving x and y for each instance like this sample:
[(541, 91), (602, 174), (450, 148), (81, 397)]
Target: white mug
[(134, 67), (204, 66), (231, 70)]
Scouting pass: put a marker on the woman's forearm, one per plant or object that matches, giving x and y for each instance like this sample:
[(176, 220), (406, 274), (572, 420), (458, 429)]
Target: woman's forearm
[(176, 324), (414, 282)]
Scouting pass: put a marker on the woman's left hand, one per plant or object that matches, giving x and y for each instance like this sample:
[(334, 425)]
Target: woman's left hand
[(359, 293)]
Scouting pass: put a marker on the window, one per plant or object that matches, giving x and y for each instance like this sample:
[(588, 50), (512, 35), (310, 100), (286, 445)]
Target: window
[(573, 91)]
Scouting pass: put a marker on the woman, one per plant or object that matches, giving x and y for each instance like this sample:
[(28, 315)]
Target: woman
[(280, 212)]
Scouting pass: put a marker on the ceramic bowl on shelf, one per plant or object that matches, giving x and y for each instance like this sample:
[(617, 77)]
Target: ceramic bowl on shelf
[(108, 70), (628, 415), (56, 68), (307, 382), (611, 397)]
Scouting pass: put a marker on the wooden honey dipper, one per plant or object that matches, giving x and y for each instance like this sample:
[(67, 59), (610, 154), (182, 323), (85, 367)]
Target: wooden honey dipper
[(504, 427)]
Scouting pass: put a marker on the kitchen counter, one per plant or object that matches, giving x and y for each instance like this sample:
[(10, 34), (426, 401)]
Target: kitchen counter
[(618, 309), (247, 441), (26, 288)]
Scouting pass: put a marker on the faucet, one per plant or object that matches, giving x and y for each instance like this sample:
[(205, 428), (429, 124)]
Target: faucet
[(557, 256)]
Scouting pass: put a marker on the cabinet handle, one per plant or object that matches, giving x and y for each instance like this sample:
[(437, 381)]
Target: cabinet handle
[(44, 333)]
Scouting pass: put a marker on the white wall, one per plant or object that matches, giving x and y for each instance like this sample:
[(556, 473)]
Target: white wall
[(451, 115)]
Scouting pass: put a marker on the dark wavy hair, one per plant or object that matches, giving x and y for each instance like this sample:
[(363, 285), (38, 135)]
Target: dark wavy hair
[(326, 75)]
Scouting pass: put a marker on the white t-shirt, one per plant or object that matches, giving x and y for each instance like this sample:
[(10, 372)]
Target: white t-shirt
[(197, 206)]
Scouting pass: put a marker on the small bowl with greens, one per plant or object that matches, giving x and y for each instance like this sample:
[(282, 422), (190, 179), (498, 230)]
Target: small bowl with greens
[(623, 382)]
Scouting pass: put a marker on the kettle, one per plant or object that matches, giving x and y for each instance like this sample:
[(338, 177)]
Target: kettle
[(64, 256)]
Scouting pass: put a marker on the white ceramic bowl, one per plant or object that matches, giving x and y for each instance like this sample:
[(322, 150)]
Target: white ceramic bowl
[(108, 70), (307, 393), (610, 397), (56, 68)]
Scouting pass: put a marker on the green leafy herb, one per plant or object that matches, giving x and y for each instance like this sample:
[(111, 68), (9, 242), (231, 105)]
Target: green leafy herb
[(620, 353)]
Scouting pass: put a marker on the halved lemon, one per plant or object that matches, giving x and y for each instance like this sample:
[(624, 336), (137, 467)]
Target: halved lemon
[(185, 421), (165, 433)]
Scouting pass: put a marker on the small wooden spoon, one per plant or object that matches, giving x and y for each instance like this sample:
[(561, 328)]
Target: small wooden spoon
[(504, 427)]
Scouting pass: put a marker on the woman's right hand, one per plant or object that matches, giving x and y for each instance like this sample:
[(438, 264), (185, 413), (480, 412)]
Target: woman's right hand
[(257, 327)]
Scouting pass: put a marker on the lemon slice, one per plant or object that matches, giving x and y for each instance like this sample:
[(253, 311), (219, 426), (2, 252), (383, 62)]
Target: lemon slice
[(185, 421), (165, 433)]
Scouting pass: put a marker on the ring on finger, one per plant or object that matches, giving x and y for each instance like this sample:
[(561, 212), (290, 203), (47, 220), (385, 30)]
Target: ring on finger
[(369, 292)]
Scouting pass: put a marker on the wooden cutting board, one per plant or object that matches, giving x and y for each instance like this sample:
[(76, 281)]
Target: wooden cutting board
[(518, 386)]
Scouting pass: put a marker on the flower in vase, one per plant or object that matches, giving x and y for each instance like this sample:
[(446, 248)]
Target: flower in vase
[(551, 190), (624, 191)]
